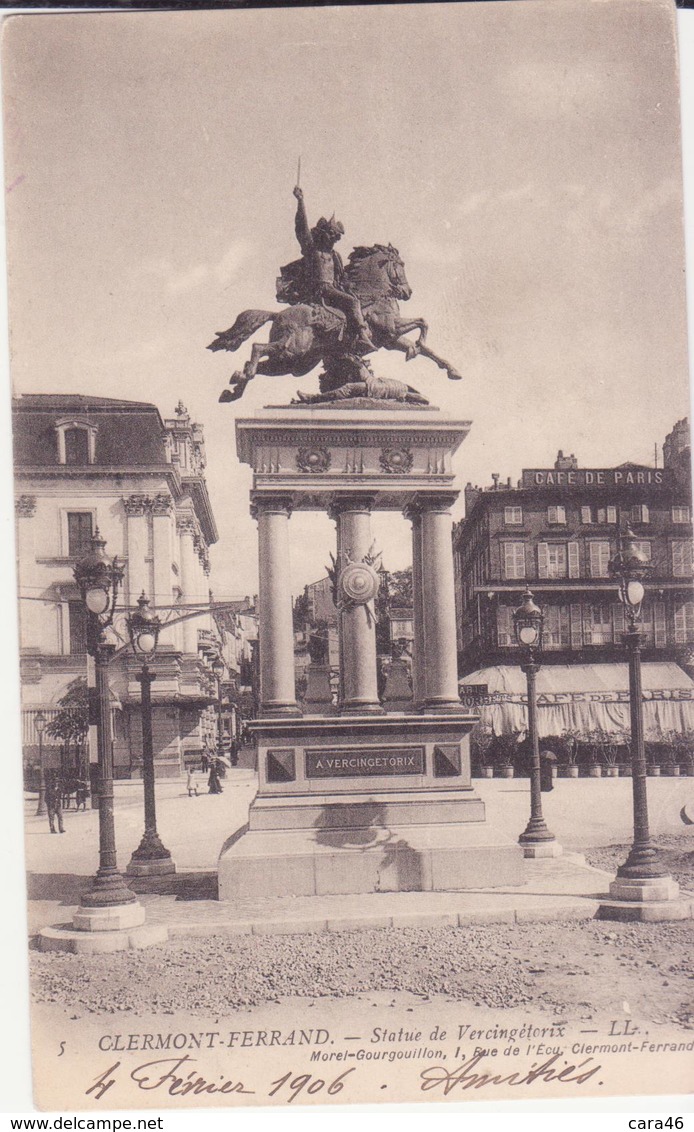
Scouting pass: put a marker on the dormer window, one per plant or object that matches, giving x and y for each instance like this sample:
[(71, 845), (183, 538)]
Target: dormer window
[(76, 441)]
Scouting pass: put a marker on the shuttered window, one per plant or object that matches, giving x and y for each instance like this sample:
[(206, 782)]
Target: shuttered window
[(680, 514), (599, 558), (556, 630), (576, 627), (597, 624), (586, 515), (513, 516), (556, 515), (640, 513), (504, 626), (618, 625), (574, 566), (514, 560), (659, 625), (684, 623), (79, 533), (682, 558)]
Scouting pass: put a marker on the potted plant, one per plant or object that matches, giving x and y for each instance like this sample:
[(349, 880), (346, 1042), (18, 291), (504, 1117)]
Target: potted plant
[(682, 745), (504, 749), (653, 758), (482, 740), (611, 744), (567, 746), (594, 741), (669, 761)]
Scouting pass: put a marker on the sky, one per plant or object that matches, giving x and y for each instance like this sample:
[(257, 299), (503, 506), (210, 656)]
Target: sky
[(524, 158)]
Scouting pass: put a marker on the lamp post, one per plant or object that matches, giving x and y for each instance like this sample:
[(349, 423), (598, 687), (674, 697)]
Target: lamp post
[(40, 722), (151, 858), (528, 621), (218, 669), (109, 903), (642, 880)]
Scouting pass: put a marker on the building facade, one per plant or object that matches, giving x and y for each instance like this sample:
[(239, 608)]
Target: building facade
[(83, 463), (556, 531)]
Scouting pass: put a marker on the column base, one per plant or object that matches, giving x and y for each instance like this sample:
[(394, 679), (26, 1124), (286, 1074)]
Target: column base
[(274, 711), (361, 709), (532, 850), (439, 707), (118, 918)]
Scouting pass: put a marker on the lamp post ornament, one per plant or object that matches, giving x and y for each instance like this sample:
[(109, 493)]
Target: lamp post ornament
[(528, 622), (40, 722), (151, 856), (98, 578)]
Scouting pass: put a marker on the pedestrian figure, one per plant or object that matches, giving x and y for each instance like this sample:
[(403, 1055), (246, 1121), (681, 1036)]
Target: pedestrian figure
[(547, 761), (204, 762), (54, 802), (213, 782), (81, 793), (191, 783)]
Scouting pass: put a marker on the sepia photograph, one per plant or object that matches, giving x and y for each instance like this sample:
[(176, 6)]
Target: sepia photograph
[(353, 534)]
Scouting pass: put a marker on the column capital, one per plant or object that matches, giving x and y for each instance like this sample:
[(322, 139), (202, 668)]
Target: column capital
[(185, 525), (136, 504), (278, 503), (25, 506), (441, 501), (162, 504), (351, 501)]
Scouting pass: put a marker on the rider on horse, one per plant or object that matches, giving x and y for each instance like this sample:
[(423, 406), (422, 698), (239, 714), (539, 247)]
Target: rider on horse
[(322, 277)]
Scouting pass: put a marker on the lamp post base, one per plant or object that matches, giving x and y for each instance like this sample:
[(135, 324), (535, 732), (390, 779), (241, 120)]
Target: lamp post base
[(118, 917), (536, 849), (645, 900), (164, 866)]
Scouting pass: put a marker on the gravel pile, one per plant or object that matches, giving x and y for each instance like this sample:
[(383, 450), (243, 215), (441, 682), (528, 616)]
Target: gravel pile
[(553, 965)]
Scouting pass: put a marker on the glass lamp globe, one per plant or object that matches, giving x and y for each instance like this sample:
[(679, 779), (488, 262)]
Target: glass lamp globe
[(528, 635), (96, 600), (634, 592), (146, 642)]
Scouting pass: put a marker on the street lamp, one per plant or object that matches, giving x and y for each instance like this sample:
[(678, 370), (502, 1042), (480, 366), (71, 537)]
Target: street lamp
[(40, 722), (151, 858), (109, 902), (642, 878), (218, 669), (528, 621)]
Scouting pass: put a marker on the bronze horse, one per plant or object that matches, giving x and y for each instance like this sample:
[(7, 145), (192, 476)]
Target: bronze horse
[(307, 333)]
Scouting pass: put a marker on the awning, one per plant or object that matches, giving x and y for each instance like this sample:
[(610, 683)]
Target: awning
[(583, 697)]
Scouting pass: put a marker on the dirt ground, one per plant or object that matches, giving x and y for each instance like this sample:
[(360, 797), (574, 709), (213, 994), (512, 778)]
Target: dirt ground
[(582, 967), (677, 853)]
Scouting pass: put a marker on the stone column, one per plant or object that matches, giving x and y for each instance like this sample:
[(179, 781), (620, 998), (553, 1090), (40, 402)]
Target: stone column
[(162, 508), (414, 514), (358, 673), (185, 527), (439, 671), (275, 624), (136, 510)]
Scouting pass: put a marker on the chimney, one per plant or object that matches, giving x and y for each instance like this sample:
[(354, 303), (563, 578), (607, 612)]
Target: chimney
[(495, 478), (565, 463), (471, 495)]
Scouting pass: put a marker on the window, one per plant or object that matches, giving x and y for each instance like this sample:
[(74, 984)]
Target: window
[(556, 515), (514, 560), (513, 516), (680, 514), (643, 547), (640, 514), (551, 560), (76, 446), (556, 629), (586, 515), (505, 636), (79, 533), (684, 623), (597, 625), (78, 628), (599, 558), (606, 515), (682, 558)]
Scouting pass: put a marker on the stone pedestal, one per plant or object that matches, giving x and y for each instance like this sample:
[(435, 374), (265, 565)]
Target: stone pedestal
[(365, 800)]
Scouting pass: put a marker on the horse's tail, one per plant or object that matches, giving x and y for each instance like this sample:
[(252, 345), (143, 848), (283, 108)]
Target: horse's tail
[(246, 324)]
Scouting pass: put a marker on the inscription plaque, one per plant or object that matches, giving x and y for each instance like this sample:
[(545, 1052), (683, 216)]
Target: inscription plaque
[(358, 764)]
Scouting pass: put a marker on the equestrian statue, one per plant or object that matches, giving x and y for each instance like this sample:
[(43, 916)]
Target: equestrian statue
[(337, 315)]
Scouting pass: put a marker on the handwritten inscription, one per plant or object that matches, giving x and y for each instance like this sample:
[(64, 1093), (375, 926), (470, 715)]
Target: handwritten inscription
[(347, 764)]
